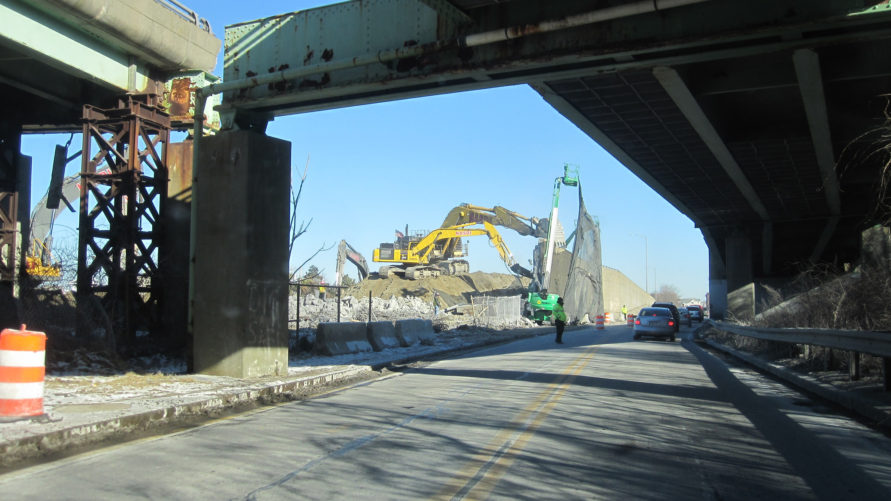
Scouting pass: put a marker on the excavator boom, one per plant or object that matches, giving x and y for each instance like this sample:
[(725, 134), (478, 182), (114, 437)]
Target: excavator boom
[(346, 252), (497, 216)]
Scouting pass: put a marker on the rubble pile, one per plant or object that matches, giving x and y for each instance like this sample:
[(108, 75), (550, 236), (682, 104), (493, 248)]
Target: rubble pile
[(314, 310), (396, 298), (399, 299)]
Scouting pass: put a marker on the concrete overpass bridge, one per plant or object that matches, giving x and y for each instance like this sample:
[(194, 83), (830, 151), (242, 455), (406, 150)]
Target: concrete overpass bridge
[(756, 119)]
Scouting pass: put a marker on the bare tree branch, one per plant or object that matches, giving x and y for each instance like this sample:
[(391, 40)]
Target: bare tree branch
[(296, 230), (314, 254)]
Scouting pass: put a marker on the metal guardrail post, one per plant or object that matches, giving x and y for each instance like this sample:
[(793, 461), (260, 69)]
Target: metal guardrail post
[(854, 365)]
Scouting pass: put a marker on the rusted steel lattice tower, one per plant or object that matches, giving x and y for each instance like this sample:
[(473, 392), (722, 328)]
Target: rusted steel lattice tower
[(122, 194), (10, 138)]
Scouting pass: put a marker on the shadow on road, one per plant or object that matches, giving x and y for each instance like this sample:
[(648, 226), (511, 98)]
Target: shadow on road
[(829, 473)]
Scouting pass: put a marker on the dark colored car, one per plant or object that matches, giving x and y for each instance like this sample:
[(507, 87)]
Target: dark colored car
[(675, 314), (655, 322), (685, 316), (696, 312)]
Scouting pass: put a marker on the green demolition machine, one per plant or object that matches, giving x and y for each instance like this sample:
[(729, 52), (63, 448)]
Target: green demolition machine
[(539, 304)]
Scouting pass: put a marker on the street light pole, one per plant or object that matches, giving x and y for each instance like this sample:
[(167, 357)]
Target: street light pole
[(646, 263)]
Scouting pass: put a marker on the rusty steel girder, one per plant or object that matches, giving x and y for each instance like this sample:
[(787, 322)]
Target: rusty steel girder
[(123, 192)]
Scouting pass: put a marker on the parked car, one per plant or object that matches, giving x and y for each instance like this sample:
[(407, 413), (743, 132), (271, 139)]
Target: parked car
[(674, 313), (655, 322), (685, 316), (696, 312)]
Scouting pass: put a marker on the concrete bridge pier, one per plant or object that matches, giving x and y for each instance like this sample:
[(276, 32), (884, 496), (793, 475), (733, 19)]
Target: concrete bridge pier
[(731, 276), (717, 284), (240, 295), (739, 268)]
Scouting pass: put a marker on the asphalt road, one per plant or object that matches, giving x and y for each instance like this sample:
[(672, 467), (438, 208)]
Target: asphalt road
[(599, 417)]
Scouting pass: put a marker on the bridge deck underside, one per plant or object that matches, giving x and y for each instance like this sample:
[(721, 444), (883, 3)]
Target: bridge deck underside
[(755, 105)]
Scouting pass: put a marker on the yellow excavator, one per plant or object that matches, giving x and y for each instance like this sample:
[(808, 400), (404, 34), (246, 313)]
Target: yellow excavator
[(433, 254)]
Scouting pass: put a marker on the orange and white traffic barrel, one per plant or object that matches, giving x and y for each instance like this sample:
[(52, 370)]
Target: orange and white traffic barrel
[(22, 370), (606, 318), (599, 322), (631, 320)]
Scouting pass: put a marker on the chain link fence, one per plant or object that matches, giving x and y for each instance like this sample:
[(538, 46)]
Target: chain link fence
[(489, 311)]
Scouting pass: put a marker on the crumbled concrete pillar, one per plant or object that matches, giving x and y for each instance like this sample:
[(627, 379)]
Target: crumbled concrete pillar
[(241, 255)]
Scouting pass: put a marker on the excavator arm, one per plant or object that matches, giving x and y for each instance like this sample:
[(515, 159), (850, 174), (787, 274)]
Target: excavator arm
[(346, 252), (497, 216), (505, 253)]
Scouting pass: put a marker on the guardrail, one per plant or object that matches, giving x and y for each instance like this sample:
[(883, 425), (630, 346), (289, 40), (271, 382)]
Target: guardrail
[(856, 342), (186, 13)]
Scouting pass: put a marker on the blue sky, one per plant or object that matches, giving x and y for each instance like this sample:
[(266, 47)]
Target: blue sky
[(373, 169)]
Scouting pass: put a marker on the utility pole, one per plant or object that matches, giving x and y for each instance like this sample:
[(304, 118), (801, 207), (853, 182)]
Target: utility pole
[(646, 263)]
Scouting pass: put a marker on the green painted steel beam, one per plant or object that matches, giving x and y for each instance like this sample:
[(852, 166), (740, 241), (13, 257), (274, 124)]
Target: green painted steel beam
[(58, 45), (285, 50)]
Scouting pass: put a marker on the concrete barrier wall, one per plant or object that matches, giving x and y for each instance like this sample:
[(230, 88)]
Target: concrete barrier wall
[(414, 331), (340, 338), (618, 290), (382, 335)]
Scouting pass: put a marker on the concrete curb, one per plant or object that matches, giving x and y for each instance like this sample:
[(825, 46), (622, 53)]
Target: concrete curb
[(861, 406)]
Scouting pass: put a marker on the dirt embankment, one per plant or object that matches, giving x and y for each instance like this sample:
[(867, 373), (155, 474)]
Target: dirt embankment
[(453, 290)]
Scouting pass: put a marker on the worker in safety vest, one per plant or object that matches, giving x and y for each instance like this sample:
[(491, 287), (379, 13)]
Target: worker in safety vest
[(559, 319), (624, 312), (322, 290)]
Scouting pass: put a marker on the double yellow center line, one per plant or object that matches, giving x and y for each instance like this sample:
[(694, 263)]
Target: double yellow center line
[(477, 478)]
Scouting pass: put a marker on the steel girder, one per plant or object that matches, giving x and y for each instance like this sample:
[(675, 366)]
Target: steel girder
[(368, 51), (123, 193)]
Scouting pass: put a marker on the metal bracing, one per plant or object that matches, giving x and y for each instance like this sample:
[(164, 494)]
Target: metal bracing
[(810, 82), (123, 192), (683, 98), (568, 110), (8, 205), (9, 152)]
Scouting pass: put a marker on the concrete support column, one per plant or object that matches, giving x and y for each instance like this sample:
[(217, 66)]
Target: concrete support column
[(174, 263), (240, 308), (740, 286), (738, 249), (717, 283)]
